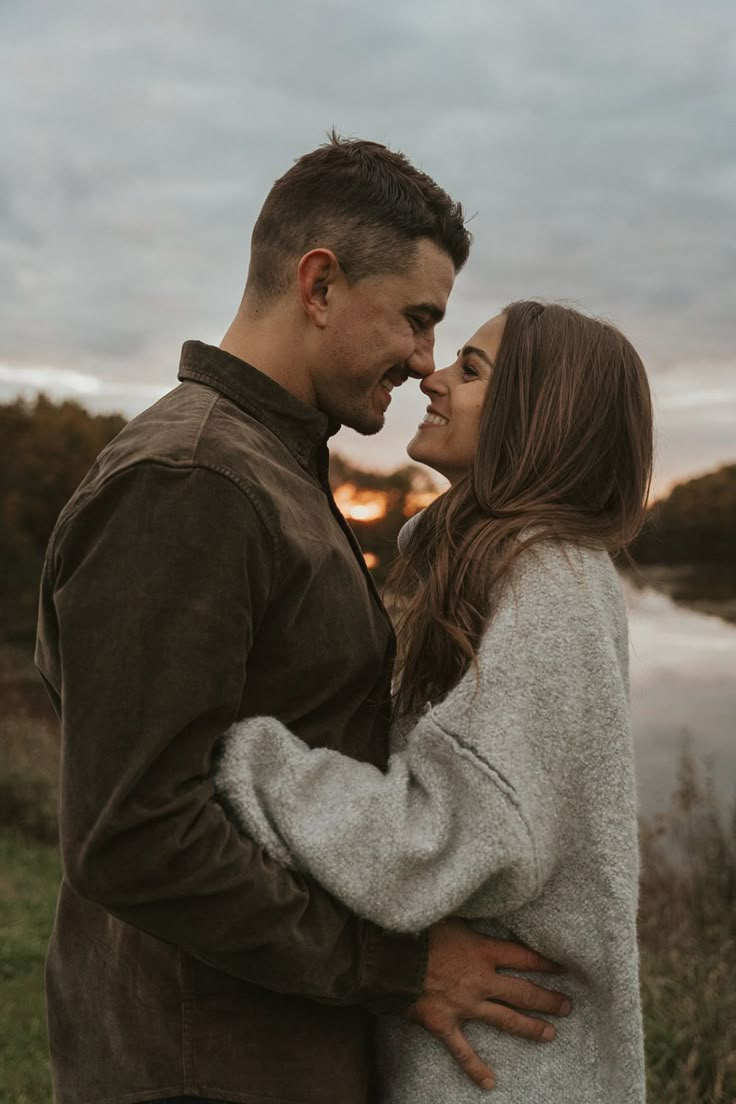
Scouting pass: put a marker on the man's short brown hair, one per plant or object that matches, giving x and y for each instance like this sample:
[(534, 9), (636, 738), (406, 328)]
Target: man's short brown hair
[(365, 202)]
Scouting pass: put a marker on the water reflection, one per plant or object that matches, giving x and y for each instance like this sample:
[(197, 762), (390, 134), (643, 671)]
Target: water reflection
[(683, 693)]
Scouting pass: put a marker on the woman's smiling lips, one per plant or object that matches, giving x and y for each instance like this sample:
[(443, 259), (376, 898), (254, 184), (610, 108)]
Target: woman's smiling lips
[(433, 418)]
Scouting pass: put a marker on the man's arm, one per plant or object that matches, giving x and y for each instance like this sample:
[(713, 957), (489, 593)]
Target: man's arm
[(157, 585)]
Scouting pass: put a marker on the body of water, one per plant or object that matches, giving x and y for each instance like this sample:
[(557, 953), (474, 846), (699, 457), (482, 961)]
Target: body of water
[(683, 694)]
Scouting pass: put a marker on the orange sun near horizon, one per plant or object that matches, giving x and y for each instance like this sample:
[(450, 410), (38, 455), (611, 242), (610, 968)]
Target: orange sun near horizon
[(361, 505)]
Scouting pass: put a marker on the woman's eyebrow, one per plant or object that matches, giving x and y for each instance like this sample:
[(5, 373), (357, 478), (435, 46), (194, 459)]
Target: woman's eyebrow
[(472, 350)]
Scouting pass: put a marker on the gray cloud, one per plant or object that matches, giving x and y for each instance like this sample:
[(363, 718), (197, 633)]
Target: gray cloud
[(592, 141)]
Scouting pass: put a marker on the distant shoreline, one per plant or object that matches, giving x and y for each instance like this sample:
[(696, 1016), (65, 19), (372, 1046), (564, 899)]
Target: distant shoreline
[(705, 588)]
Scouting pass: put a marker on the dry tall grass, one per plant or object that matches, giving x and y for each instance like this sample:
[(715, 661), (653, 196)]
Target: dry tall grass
[(687, 930)]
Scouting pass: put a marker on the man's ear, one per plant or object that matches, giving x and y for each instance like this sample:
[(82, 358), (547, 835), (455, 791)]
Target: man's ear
[(317, 272)]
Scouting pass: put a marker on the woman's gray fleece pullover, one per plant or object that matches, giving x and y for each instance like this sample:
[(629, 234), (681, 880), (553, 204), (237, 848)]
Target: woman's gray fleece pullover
[(511, 803)]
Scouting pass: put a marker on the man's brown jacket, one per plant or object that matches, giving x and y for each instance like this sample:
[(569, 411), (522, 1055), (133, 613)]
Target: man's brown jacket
[(202, 573)]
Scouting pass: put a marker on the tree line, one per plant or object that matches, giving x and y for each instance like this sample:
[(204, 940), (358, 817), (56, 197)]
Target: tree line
[(695, 524), (47, 448)]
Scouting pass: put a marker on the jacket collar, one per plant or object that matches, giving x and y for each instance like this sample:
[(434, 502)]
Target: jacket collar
[(301, 428)]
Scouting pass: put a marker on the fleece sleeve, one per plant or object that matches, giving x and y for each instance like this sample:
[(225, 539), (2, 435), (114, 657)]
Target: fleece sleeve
[(466, 817)]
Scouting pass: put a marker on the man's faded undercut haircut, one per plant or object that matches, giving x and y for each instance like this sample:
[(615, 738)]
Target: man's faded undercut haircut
[(364, 202)]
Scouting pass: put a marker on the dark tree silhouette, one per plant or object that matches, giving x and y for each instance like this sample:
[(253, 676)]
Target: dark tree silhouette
[(696, 524), (45, 450)]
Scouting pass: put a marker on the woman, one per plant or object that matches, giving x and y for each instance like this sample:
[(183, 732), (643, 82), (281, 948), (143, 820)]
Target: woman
[(509, 797)]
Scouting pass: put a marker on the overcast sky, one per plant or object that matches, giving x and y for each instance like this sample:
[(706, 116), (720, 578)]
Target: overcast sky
[(594, 143)]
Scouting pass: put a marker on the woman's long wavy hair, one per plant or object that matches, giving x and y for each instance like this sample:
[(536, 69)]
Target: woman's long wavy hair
[(564, 453)]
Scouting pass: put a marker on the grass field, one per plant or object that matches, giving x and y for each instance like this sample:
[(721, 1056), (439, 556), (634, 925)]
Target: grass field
[(687, 924), (29, 876)]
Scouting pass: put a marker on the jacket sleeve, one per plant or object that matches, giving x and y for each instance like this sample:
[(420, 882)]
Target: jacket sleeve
[(155, 588), (468, 817)]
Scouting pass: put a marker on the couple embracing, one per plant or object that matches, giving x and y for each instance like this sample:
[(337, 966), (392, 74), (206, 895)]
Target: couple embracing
[(308, 859)]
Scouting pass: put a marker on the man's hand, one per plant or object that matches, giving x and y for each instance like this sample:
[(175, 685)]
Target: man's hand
[(462, 984)]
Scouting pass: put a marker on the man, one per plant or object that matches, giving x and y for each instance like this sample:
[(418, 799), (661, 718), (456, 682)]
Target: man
[(202, 573)]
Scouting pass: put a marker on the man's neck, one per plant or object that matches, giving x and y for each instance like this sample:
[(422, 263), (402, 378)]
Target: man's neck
[(268, 344)]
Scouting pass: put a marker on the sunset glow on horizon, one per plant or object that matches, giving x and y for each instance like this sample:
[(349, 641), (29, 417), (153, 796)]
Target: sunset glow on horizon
[(361, 505)]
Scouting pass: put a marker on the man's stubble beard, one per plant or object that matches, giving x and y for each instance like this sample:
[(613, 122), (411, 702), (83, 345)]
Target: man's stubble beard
[(355, 416), (366, 428)]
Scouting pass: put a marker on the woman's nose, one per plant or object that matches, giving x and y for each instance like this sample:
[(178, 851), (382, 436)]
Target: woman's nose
[(435, 383)]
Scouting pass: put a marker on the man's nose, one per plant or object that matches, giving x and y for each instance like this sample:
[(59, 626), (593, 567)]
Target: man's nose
[(421, 362)]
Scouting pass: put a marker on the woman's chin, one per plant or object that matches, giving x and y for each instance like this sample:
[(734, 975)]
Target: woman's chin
[(415, 451), (420, 455)]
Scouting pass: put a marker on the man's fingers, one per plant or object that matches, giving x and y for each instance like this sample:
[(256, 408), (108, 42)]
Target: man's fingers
[(515, 1023), (466, 1058), (525, 994), (514, 956)]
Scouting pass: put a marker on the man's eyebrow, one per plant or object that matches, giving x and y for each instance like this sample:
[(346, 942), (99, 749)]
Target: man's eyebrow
[(431, 310), (472, 350)]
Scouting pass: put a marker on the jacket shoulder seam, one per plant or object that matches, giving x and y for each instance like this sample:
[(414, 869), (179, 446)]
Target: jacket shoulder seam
[(177, 465), (215, 398)]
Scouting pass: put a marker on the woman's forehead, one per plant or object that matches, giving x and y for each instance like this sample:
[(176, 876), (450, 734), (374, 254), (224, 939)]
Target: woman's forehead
[(488, 336)]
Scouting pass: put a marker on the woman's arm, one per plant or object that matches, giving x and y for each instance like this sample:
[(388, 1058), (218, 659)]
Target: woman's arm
[(404, 848), (467, 808)]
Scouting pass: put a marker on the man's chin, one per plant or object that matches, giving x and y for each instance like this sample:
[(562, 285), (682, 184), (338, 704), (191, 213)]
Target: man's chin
[(364, 424)]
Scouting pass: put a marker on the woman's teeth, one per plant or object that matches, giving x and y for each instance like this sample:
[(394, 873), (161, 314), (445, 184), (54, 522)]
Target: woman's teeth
[(435, 419), (387, 383)]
